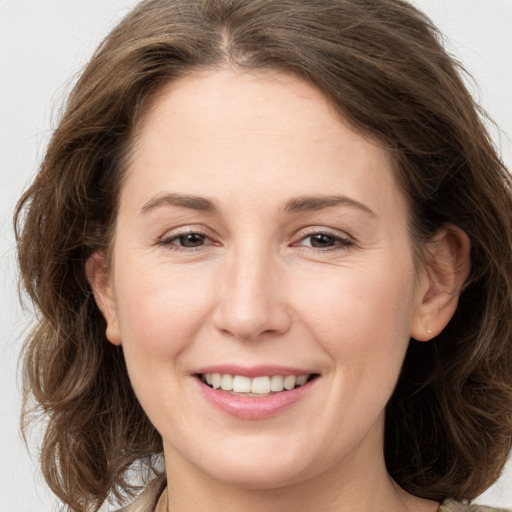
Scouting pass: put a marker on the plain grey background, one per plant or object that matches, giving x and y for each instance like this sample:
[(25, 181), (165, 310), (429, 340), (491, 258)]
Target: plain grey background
[(43, 46)]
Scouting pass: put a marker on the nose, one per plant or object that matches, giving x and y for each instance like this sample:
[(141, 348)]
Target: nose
[(251, 301)]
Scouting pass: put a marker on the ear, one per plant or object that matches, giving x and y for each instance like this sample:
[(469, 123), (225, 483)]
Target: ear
[(101, 283), (447, 268)]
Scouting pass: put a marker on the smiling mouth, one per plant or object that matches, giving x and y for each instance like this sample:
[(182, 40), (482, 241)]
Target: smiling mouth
[(254, 387)]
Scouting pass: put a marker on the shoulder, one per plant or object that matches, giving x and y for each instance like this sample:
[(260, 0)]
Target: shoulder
[(457, 506)]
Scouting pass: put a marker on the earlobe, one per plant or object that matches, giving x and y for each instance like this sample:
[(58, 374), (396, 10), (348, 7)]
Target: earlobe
[(101, 283), (447, 268)]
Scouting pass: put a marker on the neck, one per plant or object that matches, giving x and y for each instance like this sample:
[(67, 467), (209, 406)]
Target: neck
[(364, 488)]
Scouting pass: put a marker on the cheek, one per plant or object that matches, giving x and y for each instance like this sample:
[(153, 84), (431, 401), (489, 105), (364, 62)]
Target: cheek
[(362, 319), (160, 314), (159, 308)]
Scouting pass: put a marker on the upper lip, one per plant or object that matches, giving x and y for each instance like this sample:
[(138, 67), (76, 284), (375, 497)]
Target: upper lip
[(254, 371)]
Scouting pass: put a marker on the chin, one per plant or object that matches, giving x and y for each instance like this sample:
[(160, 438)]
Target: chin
[(253, 462), (257, 476)]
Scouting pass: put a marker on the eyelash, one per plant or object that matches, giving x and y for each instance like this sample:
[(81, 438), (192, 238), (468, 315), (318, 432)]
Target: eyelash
[(339, 242), (168, 241)]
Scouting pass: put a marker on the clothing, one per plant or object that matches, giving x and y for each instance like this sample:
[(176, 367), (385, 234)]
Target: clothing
[(148, 499), (456, 506)]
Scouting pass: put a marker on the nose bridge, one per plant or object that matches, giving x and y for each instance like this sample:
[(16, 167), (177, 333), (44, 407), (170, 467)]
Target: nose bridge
[(251, 302)]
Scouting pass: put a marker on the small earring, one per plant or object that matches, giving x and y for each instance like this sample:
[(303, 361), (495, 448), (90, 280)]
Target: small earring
[(429, 331)]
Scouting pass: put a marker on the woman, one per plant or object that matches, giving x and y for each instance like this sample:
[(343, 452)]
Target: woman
[(272, 242)]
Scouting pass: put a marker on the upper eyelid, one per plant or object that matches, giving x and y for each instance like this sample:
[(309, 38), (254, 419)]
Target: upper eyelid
[(344, 241), (317, 230), (170, 236), (306, 231), (297, 237), (186, 230)]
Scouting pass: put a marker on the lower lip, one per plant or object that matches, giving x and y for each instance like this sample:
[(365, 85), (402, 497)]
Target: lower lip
[(254, 408)]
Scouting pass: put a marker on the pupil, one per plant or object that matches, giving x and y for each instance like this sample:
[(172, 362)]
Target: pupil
[(321, 240), (191, 240)]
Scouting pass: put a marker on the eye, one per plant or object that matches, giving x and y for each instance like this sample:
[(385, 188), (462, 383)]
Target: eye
[(324, 240), (186, 241), (190, 240), (320, 240)]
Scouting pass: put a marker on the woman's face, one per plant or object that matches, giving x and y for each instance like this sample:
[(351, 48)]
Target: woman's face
[(259, 236)]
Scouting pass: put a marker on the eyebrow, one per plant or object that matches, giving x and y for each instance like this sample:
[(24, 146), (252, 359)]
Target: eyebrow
[(184, 201), (309, 203), (296, 205)]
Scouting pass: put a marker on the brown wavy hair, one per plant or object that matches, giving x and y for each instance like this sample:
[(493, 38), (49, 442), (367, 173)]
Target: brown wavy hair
[(382, 65)]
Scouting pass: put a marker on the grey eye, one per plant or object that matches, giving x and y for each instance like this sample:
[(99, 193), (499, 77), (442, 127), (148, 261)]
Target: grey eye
[(190, 240), (321, 240)]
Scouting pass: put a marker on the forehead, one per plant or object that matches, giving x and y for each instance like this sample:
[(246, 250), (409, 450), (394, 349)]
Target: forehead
[(221, 132)]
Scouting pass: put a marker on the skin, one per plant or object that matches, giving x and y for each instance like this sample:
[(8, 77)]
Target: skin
[(257, 289)]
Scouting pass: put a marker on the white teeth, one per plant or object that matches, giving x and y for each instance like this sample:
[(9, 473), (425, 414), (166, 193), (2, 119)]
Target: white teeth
[(216, 380), (227, 382), (302, 380), (258, 385), (277, 383), (289, 382), (241, 384)]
